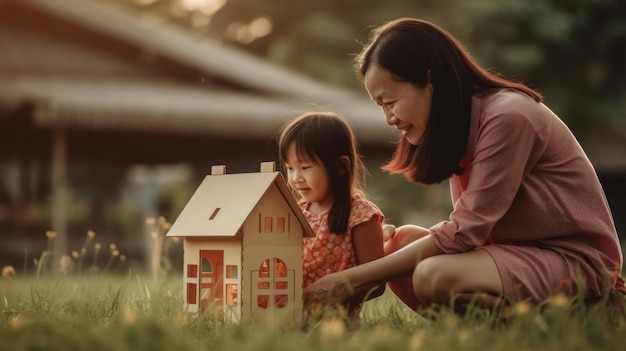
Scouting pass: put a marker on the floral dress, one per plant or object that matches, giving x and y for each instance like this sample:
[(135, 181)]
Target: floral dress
[(329, 252)]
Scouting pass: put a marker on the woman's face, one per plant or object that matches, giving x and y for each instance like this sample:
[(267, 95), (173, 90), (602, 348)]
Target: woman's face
[(405, 106)]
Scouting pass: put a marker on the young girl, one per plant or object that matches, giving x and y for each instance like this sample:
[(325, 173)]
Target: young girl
[(320, 154), (530, 218)]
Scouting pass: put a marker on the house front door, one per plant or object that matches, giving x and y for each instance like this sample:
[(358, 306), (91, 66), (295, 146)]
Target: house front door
[(211, 287)]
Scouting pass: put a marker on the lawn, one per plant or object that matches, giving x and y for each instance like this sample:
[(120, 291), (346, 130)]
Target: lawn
[(135, 312)]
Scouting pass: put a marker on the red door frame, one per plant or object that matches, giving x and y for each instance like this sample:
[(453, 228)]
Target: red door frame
[(212, 280)]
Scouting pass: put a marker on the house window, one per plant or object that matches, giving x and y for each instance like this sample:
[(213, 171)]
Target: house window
[(231, 294), (263, 284), (280, 274), (272, 276), (192, 271), (261, 301), (264, 270), (280, 224), (280, 301), (214, 213), (231, 272), (207, 269), (268, 224), (191, 293)]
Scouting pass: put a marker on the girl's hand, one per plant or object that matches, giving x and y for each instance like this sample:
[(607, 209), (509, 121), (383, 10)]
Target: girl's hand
[(397, 238), (330, 290), (389, 230), (410, 231)]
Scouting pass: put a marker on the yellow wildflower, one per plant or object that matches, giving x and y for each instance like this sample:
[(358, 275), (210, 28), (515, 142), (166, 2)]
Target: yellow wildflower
[(129, 316), (522, 307), (18, 322), (8, 272), (332, 327), (560, 300), (180, 319), (417, 340), (64, 263), (463, 335)]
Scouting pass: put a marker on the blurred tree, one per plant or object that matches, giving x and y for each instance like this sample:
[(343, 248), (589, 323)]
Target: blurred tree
[(573, 51)]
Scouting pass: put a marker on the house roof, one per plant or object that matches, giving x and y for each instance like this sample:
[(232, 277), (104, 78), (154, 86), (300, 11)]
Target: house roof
[(265, 94), (235, 195), (160, 38), (143, 106)]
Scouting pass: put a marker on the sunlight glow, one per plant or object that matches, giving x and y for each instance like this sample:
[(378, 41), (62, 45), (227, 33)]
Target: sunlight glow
[(207, 7), (144, 2), (199, 20), (247, 33), (261, 27)]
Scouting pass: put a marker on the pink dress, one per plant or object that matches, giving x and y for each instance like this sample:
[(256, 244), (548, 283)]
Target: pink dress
[(329, 252), (531, 198)]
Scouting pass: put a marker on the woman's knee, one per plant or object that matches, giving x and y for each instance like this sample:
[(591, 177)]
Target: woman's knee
[(436, 278), (431, 281)]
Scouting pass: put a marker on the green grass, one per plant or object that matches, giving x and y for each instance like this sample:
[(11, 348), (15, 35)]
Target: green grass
[(99, 312)]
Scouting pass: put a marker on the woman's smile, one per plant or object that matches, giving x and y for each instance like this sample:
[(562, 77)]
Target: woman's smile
[(406, 107)]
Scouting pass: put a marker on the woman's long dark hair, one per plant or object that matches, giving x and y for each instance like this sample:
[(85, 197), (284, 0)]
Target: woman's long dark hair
[(411, 50), (326, 138)]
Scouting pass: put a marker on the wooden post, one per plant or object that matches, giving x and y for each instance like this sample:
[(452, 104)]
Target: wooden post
[(59, 193)]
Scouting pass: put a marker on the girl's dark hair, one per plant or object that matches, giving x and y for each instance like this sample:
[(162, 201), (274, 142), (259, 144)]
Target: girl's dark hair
[(326, 138), (411, 50)]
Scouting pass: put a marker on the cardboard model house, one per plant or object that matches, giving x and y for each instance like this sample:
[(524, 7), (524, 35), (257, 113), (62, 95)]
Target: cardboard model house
[(243, 246)]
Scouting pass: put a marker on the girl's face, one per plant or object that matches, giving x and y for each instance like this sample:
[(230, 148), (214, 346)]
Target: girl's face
[(310, 180), (405, 106)]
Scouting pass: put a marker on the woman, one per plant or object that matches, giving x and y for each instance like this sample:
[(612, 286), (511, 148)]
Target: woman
[(530, 218)]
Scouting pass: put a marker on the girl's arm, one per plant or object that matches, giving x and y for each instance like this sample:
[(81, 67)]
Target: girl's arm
[(337, 288), (367, 241)]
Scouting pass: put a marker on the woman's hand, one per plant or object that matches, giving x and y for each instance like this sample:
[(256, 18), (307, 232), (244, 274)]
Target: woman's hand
[(330, 290)]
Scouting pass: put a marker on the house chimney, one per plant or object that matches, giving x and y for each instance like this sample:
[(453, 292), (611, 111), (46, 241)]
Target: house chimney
[(268, 167), (218, 170)]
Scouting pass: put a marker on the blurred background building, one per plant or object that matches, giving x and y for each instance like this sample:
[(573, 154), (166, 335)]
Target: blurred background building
[(112, 111)]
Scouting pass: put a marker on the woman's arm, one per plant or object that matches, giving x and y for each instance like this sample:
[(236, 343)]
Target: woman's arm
[(337, 288)]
